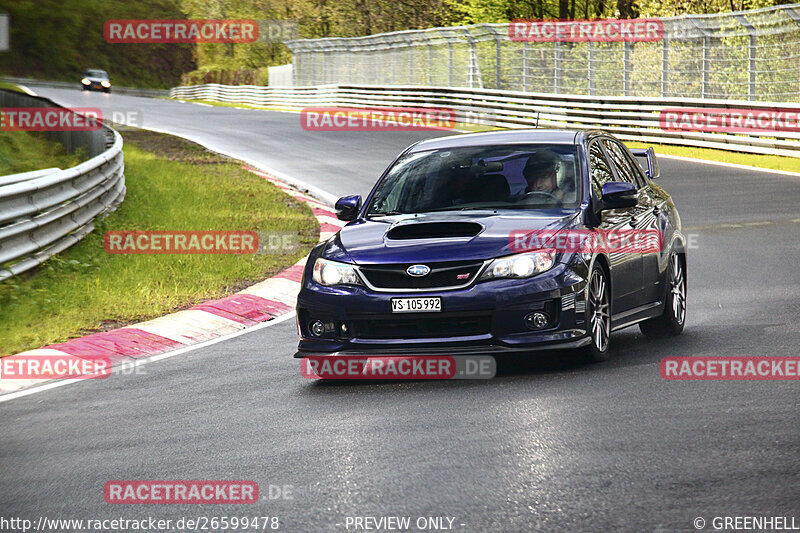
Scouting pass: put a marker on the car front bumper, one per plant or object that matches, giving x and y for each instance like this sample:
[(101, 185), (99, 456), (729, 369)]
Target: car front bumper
[(95, 86), (487, 317)]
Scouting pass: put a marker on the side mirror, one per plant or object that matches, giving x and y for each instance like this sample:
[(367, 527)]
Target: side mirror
[(347, 207), (618, 194), (651, 168)]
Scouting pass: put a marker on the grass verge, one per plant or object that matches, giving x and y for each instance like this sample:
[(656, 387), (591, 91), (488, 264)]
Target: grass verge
[(21, 151), (774, 162), (11, 87), (172, 185)]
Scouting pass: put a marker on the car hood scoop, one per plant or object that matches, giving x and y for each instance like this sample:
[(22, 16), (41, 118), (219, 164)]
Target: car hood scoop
[(438, 236), (433, 230)]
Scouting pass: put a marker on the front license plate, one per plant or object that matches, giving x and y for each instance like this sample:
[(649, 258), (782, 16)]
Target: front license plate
[(416, 305)]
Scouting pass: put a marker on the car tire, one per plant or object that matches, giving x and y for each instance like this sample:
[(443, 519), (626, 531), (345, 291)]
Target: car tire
[(672, 320), (598, 316)]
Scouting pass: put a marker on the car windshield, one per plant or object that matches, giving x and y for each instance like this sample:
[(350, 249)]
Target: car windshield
[(532, 176), (96, 73)]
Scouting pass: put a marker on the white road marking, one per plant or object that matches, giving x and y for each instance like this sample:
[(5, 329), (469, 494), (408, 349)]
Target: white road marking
[(729, 165), (27, 90), (158, 357)]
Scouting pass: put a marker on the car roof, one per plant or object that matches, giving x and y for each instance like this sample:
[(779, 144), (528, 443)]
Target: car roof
[(523, 136)]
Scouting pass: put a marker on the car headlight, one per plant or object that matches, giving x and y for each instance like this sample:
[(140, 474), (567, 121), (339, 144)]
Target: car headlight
[(520, 265), (105, 83), (85, 81), (327, 272)]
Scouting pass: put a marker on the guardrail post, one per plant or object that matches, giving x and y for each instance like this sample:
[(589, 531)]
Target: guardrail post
[(363, 64), (751, 55), (525, 66), (314, 60), (590, 69), (430, 62), (706, 67), (557, 68), (497, 60), (751, 68), (796, 18), (450, 64), (410, 63), (626, 66), (393, 60), (474, 77), (664, 67)]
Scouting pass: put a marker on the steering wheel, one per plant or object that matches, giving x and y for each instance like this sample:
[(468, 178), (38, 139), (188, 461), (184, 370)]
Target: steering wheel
[(546, 195)]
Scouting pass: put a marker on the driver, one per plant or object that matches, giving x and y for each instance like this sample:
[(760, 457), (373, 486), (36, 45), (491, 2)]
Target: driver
[(541, 173)]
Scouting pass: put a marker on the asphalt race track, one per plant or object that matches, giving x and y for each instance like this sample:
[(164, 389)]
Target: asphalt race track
[(548, 445)]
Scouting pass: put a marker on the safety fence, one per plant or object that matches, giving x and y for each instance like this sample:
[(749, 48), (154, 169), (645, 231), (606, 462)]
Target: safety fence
[(634, 119), (43, 212), (747, 55)]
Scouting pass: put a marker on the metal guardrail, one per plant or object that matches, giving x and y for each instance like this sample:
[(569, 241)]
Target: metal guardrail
[(633, 119), (743, 55), (129, 91), (46, 211)]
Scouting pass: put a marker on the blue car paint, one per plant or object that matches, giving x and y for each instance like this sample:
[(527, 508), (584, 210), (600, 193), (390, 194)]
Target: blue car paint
[(505, 302)]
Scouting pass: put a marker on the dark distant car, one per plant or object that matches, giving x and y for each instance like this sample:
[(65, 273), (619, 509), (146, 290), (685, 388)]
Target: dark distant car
[(95, 79), (429, 264)]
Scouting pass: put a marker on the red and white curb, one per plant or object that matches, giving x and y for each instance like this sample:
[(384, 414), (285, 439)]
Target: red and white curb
[(209, 320)]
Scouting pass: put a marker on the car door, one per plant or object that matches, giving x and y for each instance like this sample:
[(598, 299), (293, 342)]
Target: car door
[(651, 220), (626, 268)]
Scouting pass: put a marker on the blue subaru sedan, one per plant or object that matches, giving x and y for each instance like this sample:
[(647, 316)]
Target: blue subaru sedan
[(499, 242)]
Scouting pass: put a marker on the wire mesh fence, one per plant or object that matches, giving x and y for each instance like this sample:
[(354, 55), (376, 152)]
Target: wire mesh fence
[(747, 55)]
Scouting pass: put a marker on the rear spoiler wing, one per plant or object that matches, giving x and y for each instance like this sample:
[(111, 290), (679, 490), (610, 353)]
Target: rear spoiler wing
[(651, 169)]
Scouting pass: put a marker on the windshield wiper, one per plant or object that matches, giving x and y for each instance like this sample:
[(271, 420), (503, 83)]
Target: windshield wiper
[(386, 213), (468, 208)]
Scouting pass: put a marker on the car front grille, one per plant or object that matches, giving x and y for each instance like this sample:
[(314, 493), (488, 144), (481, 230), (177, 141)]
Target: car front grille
[(446, 325), (443, 274)]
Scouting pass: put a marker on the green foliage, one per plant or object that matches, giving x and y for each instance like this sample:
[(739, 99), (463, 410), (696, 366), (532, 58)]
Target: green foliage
[(172, 185), (23, 151), (58, 39), (225, 76)]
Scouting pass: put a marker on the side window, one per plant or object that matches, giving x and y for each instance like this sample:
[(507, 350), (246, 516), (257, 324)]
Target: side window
[(625, 169), (599, 169)]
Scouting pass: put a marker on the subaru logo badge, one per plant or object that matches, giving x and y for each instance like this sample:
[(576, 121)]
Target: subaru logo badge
[(418, 270)]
